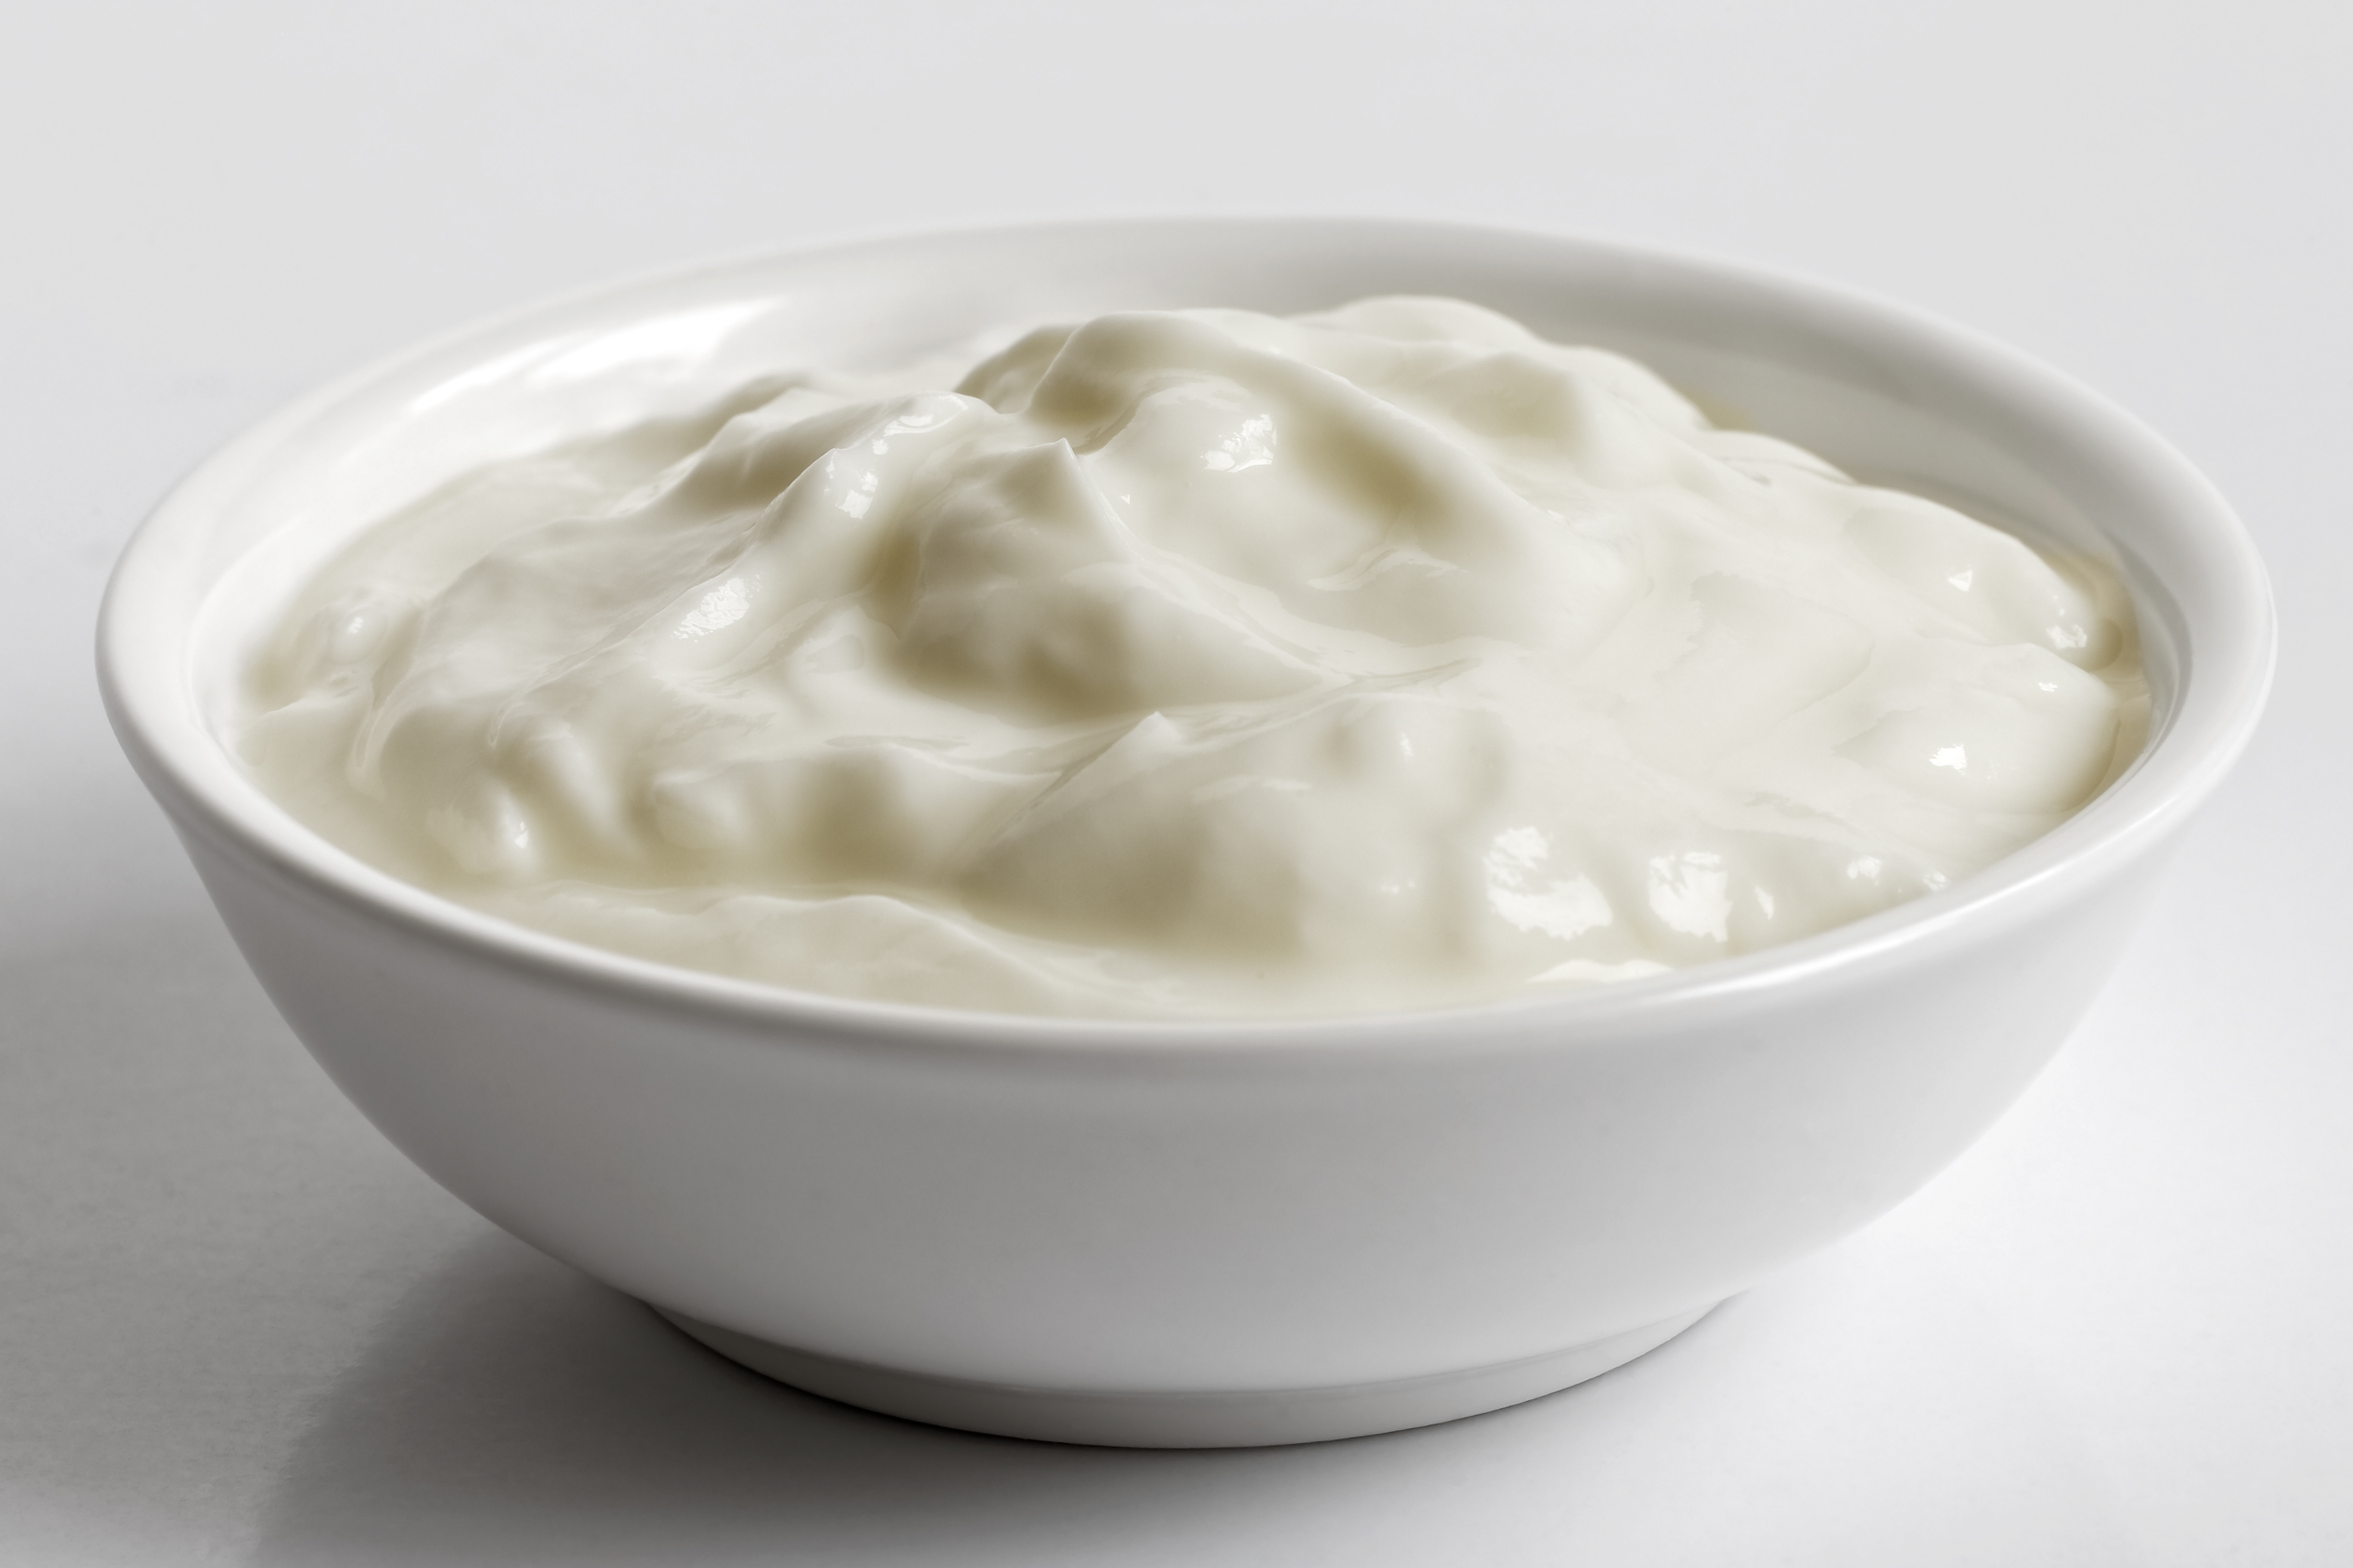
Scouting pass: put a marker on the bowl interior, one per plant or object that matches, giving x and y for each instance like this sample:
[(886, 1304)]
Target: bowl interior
[(1894, 397)]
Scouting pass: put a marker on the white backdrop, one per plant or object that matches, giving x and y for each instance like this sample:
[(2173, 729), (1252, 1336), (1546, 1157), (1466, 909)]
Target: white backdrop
[(235, 1326)]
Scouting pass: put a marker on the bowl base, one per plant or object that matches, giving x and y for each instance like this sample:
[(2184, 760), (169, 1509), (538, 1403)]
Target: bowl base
[(1241, 1419)]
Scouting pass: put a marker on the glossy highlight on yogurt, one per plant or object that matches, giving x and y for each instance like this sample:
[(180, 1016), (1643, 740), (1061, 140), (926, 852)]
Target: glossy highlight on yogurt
[(1193, 664)]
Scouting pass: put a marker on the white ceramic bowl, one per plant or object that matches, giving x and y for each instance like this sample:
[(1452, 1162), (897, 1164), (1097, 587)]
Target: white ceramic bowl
[(1184, 1233)]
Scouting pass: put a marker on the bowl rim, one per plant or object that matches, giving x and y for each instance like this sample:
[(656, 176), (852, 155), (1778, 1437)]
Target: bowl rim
[(146, 683)]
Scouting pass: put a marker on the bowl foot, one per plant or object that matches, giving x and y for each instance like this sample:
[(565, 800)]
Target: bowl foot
[(1251, 1418)]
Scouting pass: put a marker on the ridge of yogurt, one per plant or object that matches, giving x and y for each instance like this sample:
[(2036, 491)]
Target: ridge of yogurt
[(1193, 663)]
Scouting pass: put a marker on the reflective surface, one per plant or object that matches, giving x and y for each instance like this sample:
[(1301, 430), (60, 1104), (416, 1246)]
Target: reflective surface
[(250, 1330)]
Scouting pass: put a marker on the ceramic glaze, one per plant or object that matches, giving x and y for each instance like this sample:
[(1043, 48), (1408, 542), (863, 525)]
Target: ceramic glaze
[(1163, 1231)]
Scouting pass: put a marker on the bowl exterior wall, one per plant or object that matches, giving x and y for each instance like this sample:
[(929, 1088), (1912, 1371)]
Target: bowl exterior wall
[(1093, 1219)]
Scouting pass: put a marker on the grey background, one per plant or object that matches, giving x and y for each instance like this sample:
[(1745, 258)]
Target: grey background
[(235, 1326)]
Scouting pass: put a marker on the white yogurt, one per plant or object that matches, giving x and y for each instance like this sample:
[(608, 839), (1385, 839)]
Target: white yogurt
[(1195, 663)]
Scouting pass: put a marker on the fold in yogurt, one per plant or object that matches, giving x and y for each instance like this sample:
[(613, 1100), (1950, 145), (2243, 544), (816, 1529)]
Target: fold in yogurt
[(1194, 663)]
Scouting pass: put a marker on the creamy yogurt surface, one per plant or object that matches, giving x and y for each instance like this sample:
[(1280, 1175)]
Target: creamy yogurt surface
[(1193, 663)]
